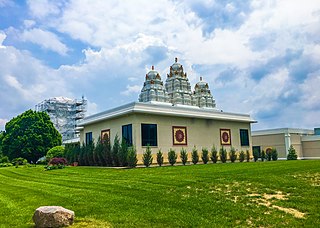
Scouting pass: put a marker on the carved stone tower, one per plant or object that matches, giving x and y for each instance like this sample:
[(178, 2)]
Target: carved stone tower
[(178, 86), (153, 89), (202, 96)]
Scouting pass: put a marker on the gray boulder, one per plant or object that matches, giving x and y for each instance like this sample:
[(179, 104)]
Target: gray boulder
[(53, 216)]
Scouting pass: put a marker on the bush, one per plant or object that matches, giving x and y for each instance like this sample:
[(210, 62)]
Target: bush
[(147, 157), (159, 158), (19, 161), (214, 154), (292, 154), (263, 155), (5, 164), (183, 156), (223, 155), (58, 161), (115, 151), (123, 153), (195, 155), (132, 157), (268, 154), (205, 155), (55, 152), (274, 154), (241, 156), (172, 156), (232, 154), (4, 159), (255, 155), (247, 155)]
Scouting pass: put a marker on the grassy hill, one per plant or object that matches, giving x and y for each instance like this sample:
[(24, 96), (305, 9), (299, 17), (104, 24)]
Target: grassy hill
[(269, 194)]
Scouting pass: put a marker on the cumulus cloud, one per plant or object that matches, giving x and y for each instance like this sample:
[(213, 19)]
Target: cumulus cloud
[(45, 39), (131, 89)]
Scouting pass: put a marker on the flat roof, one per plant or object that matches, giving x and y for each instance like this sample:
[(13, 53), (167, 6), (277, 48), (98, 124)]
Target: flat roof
[(283, 131), (166, 109)]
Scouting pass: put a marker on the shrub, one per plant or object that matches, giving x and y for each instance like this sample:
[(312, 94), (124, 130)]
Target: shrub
[(241, 156), (247, 155), (268, 154), (263, 155), (159, 158), (55, 152), (19, 161), (232, 154), (4, 159), (147, 157), (292, 154), (132, 157), (214, 154), (172, 156), (5, 164), (205, 155), (115, 151), (183, 156), (195, 155), (274, 154), (123, 153), (58, 161), (255, 155), (223, 155)]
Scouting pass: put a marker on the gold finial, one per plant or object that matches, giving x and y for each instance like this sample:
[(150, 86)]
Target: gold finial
[(176, 59), (152, 67)]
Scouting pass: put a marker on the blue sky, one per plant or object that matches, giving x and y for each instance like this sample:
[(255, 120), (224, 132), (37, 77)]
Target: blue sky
[(259, 57)]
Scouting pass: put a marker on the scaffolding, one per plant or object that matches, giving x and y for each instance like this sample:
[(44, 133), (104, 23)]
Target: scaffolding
[(65, 113)]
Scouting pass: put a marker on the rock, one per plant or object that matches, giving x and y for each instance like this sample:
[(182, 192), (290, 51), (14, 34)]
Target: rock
[(53, 216)]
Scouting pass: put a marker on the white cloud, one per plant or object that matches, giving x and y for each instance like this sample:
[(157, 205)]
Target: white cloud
[(45, 39), (44, 8), (131, 89)]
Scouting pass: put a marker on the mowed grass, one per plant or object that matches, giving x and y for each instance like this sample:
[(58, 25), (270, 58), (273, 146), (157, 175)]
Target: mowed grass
[(269, 194)]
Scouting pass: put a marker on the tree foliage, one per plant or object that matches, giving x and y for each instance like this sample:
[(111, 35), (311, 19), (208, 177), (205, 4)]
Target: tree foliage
[(183, 156), (115, 151), (241, 156), (55, 152), (30, 135), (132, 157), (232, 154), (205, 155), (147, 157), (292, 154), (172, 156), (214, 154), (194, 156), (223, 155), (160, 158)]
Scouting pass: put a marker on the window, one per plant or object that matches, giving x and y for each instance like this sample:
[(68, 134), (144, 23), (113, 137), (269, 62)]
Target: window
[(244, 137), (149, 134), (88, 138), (127, 134)]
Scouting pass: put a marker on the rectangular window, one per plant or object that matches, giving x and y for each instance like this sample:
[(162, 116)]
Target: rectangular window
[(244, 137), (88, 138), (127, 134), (149, 134)]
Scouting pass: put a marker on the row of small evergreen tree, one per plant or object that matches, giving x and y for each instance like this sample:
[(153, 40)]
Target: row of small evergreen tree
[(268, 155)]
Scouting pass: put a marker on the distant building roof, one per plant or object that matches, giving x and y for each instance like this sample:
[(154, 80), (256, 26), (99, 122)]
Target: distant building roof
[(283, 131)]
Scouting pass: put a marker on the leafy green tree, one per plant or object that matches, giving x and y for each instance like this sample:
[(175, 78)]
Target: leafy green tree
[(247, 155), (205, 155), (292, 154), (98, 153), (107, 152), (55, 152), (214, 154), (160, 158), (147, 157), (183, 156), (274, 154), (89, 153), (195, 155), (241, 156), (132, 157), (255, 155), (233, 155), (263, 155), (30, 135), (223, 155), (123, 153), (172, 156), (115, 151), (1, 138)]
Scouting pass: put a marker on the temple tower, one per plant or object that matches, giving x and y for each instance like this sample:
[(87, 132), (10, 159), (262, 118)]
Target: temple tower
[(153, 89), (178, 86), (202, 96)]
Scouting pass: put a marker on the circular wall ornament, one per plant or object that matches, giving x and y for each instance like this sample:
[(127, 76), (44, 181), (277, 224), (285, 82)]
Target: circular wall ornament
[(179, 135)]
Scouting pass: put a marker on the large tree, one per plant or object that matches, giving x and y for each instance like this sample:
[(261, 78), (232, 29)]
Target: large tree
[(30, 135)]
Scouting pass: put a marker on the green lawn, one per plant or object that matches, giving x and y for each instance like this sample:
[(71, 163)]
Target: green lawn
[(269, 194)]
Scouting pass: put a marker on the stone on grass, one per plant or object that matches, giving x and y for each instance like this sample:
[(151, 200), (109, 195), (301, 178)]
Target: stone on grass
[(53, 216)]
